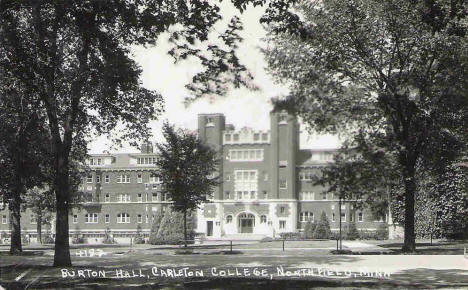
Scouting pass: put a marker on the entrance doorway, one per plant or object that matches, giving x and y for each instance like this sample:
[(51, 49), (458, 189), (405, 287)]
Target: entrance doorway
[(246, 223), (209, 228)]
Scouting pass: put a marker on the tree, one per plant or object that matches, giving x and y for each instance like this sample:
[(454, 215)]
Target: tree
[(75, 58), (40, 201), (322, 229), (352, 232), (23, 141), (186, 167), (309, 230), (394, 69)]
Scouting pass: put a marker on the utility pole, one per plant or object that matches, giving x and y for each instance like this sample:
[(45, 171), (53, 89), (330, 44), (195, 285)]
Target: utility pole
[(339, 210)]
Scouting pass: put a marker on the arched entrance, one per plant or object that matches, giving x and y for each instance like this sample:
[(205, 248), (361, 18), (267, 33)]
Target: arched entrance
[(246, 223)]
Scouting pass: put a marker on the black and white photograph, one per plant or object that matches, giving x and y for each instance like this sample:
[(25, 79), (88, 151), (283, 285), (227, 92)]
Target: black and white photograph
[(233, 144)]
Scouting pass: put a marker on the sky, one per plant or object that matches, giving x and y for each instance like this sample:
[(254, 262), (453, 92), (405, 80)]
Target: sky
[(242, 107)]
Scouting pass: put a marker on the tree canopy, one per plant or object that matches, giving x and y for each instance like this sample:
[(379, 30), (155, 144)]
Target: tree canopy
[(187, 168), (393, 72)]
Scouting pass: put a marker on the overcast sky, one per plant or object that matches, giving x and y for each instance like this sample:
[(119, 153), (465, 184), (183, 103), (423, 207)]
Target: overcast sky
[(241, 106)]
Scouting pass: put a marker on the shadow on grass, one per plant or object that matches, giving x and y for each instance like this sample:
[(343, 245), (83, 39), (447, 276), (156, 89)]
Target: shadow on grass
[(433, 277)]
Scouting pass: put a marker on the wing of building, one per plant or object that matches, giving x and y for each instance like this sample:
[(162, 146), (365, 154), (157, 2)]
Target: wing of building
[(266, 188)]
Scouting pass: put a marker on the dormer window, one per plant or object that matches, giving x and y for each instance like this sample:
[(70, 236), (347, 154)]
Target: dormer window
[(256, 136)]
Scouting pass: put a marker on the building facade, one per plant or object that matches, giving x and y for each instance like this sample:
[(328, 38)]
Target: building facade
[(266, 187)]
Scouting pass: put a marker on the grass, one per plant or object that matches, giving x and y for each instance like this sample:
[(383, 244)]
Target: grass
[(424, 247)]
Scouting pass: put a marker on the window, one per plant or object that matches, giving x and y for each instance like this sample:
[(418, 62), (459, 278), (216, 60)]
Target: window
[(228, 177), (140, 197), (107, 218), (123, 218), (91, 161), (360, 217), (139, 219), (265, 177), (75, 219), (245, 184), (98, 178), (264, 136), (306, 216), (256, 136), (146, 219), (4, 219), (107, 197), (324, 195), (343, 217), (209, 121), (107, 179), (123, 178), (155, 197), (283, 184), (155, 179), (282, 225), (139, 178), (123, 197), (283, 119), (306, 196), (229, 219), (263, 219), (33, 219), (227, 195), (265, 194), (147, 160), (246, 155), (227, 137), (282, 209), (235, 137), (89, 179), (351, 217), (333, 217), (99, 161), (305, 176), (91, 218)]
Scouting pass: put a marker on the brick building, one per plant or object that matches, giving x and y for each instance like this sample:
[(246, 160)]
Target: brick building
[(266, 188)]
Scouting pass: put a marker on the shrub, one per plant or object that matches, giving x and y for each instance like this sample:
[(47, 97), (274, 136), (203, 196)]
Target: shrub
[(79, 240), (322, 229), (138, 240), (309, 230), (290, 236), (170, 229), (266, 240), (48, 239), (382, 232), (367, 235), (352, 232)]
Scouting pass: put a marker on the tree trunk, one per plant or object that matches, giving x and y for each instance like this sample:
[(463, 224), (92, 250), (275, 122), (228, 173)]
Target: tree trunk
[(185, 228), (409, 245), (15, 222), (62, 245), (39, 228)]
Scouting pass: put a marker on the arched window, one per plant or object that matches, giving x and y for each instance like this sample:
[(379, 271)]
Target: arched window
[(306, 216), (123, 218), (229, 219), (263, 219)]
